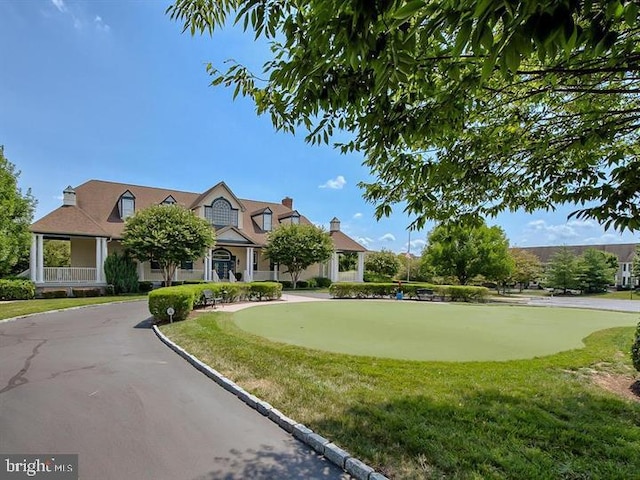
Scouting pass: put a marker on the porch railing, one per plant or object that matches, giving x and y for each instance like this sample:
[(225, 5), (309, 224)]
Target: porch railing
[(70, 274)]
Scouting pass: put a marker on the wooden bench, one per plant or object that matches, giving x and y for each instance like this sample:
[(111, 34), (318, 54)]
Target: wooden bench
[(209, 299), (427, 294)]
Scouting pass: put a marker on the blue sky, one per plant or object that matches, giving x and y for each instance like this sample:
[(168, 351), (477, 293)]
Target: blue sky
[(113, 90)]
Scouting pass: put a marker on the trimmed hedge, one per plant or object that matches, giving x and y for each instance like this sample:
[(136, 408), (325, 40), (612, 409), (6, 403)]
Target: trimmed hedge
[(322, 282), (635, 349), (184, 298), (17, 289), (145, 286), (384, 290)]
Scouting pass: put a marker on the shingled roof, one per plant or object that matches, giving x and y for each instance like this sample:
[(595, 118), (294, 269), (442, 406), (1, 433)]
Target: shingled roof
[(96, 212), (624, 251)]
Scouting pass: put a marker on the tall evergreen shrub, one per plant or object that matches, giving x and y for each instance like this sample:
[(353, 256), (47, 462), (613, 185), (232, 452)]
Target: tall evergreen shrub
[(121, 272), (635, 349)]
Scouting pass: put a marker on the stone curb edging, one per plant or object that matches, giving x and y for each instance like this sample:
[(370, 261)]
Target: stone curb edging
[(331, 451)]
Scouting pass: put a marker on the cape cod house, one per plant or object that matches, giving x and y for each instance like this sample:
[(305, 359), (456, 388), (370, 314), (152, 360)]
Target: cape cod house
[(93, 215)]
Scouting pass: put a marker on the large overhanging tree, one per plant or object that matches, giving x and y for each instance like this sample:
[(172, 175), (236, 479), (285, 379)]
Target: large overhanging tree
[(463, 108)]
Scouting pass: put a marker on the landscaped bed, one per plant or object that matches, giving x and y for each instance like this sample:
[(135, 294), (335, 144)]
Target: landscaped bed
[(537, 418)]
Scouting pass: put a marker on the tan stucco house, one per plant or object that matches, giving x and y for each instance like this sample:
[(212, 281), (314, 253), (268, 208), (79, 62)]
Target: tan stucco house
[(93, 215)]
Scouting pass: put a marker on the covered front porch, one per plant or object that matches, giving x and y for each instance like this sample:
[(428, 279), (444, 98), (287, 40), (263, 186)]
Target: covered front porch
[(87, 262)]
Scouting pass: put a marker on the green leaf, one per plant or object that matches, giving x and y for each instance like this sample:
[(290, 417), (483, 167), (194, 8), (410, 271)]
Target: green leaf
[(408, 9)]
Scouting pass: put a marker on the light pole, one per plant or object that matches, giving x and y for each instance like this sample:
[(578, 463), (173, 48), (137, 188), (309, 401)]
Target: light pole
[(409, 256)]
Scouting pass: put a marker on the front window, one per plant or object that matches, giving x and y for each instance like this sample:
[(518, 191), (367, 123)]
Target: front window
[(221, 214), (127, 205), (186, 265), (267, 221), (255, 261)]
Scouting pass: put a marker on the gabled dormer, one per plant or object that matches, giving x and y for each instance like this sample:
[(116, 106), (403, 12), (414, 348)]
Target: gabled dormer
[(263, 218), (127, 205), (169, 201), (289, 218)]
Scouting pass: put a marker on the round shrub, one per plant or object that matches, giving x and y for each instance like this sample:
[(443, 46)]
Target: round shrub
[(18, 289), (180, 298), (635, 349), (265, 290)]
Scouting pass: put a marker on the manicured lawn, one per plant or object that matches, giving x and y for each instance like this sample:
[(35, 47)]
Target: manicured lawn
[(628, 295), (26, 307), (523, 419), (428, 330)]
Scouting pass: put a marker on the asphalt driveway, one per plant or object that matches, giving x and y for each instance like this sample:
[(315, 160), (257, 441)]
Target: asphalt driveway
[(97, 382)]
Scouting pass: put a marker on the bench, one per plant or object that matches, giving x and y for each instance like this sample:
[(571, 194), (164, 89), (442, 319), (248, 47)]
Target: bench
[(427, 294), (209, 299)]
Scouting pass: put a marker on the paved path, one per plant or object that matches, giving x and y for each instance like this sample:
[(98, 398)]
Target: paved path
[(587, 302), (97, 382)]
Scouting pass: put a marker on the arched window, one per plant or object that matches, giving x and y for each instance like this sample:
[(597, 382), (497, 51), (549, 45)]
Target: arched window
[(221, 214), (221, 255)]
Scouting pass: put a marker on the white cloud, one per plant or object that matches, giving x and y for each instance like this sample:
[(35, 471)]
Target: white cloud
[(365, 241), (417, 245), (387, 237), (357, 215), (58, 197), (334, 184), (577, 232), (59, 4), (100, 25)]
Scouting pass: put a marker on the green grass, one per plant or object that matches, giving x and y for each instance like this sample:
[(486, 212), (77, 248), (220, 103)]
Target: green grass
[(524, 419), (428, 330), (26, 307)]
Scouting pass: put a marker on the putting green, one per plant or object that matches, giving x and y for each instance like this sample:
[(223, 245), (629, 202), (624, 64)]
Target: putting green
[(429, 331)]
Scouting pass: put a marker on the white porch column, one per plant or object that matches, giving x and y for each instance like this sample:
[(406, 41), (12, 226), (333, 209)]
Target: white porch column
[(140, 271), (99, 263), (360, 271), (33, 258), (333, 267), (39, 258), (249, 265), (207, 266), (276, 267), (105, 252)]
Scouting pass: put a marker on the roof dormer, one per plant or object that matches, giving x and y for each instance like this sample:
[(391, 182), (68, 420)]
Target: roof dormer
[(290, 218), (264, 219), (169, 201), (127, 205)]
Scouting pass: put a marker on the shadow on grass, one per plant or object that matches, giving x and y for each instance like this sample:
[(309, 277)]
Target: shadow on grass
[(635, 388), (269, 464), (490, 434)]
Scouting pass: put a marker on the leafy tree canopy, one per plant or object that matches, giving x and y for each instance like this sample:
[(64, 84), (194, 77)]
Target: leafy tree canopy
[(384, 263), (595, 270), (167, 234), (57, 253), (462, 109), (563, 269), (465, 251), (16, 213), (527, 267), (298, 246)]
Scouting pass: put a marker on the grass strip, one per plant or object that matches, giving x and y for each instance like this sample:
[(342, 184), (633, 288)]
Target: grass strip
[(20, 308)]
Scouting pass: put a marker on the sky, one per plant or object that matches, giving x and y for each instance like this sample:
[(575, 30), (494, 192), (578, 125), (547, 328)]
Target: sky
[(113, 90)]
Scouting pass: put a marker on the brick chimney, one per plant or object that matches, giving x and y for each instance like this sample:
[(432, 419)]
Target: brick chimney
[(334, 225), (69, 196), (288, 202)]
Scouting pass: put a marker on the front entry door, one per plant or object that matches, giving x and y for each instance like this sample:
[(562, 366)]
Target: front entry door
[(222, 262)]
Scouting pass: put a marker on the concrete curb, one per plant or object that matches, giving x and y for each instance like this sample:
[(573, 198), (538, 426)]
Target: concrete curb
[(331, 452)]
